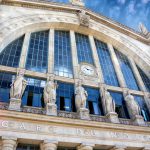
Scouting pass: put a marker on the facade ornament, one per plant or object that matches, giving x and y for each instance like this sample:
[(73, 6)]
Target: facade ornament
[(80, 101), (109, 106), (84, 19), (109, 103), (132, 106), (144, 30), (17, 90), (50, 96), (77, 2), (81, 96)]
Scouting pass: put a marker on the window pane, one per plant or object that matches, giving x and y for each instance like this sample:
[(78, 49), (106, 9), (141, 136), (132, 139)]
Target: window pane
[(63, 58), (65, 97), (27, 147), (127, 71), (94, 101), (33, 95), (144, 110), (38, 52), (10, 56), (121, 109), (83, 49), (109, 73), (5, 82), (145, 79)]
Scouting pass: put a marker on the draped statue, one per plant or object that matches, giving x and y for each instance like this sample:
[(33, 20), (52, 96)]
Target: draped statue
[(50, 91), (18, 87), (143, 29), (80, 96), (109, 103), (132, 106)]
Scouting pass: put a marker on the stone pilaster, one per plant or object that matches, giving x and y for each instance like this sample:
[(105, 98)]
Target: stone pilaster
[(96, 59), (137, 75), (85, 147), (51, 52), (24, 52), (119, 147), (116, 66), (147, 100), (49, 145), (9, 143), (74, 55)]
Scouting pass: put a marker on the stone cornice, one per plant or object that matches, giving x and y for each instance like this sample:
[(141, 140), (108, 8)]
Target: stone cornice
[(12, 115), (38, 4)]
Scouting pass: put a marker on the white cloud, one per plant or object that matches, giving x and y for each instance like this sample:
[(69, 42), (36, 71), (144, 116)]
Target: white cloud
[(145, 1), (131, 7), (121, 1)]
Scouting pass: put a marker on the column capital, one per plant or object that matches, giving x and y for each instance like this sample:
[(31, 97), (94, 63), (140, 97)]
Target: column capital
[(85, 146), (9, 143), (119, 147), (49, 145)]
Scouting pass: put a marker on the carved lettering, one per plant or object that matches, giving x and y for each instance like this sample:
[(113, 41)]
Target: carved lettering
[(5, 124), (22, 126)]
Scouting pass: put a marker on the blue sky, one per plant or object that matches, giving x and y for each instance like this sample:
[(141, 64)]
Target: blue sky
[(127, 12)]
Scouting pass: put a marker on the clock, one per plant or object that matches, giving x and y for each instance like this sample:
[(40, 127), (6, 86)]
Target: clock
[(88, 70)]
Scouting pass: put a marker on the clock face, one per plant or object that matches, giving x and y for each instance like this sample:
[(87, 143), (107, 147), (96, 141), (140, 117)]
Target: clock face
[(87, 69)]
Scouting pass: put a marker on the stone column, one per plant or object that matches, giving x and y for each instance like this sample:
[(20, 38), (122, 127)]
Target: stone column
[(51, 52), (96, 59), (24, 52), (85, 147), (74, 55), (49, 145), (9, 143), (147, 100), (116, 66), (119, 147), (137, 75)]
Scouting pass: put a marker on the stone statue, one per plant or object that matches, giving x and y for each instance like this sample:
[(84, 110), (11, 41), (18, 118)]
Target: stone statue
[(50, 91), (18, 86), (132, 106), (109, 103), (84, 19), (143, 29), (77, 2), (80, 96)]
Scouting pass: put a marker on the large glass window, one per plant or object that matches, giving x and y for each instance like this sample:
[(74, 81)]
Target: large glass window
[(37, 57), (127, 71), (84, 49), (145, 79), (144, 110), (10, 56), (5, 82), (121, 109), (93, 101), (65, 97), (27, 147), (106, 64), (33, 95), (63, 57)]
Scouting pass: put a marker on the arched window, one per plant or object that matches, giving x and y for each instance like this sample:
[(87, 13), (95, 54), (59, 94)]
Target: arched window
[(10, 56), (62, 56), (84, 49), (145, 79), (37, 57), (106, 64), (127, 71)]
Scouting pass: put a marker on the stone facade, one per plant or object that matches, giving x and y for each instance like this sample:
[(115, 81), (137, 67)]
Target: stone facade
[(51, 129)]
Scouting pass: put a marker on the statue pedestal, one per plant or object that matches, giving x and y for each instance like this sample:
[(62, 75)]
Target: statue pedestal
[(84, 114), (113, 117), (51, 109), (15, 104), (139, 120)]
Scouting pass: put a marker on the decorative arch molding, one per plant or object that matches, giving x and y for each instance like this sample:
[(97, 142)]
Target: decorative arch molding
[(32, 23)]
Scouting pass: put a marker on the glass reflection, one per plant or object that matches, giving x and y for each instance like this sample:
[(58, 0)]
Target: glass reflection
[(10, 56)]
